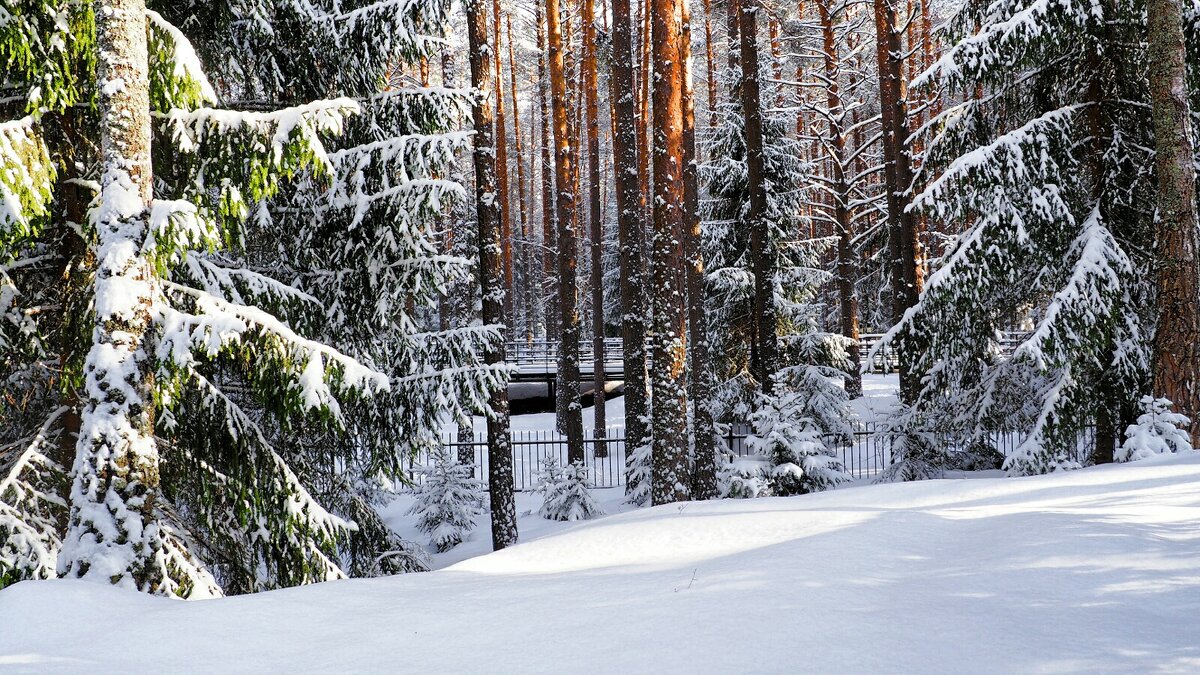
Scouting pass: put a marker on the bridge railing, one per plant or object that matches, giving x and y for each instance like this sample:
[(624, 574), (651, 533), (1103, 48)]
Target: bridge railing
[(887, 361), (864, 454), (543, 354)]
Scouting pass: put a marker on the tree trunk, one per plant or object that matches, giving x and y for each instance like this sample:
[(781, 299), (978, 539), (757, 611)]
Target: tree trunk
[(568, 296), (491, 274), (1177, 239), (668, 363), (502, 191), (591, 85), (549, 253), (630, 236), (710, 63), (847, 272), (522, 254), (704, 476), (765, 355), (903, 249), (116, 487)]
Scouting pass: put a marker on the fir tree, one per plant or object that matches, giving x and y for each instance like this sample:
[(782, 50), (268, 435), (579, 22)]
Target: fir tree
[(447, 502), (1046, 169), (794, 429), (245, 411), (566, 492), (1158, 430)]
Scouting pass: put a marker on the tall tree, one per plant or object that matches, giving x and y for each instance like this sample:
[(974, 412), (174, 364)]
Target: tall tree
[(491, 267), (591, 85), (549, 250), (524, 259), (668, 319), (503, 194), (237, 365), (847, 269), (569, 413), (1177, 236), (903, 245), (116, 474), (765, 349), (631, 239), (1063, 242), (704, 476)]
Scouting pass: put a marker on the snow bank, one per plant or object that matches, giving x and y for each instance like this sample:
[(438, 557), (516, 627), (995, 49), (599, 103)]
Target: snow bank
[(1095, 570)]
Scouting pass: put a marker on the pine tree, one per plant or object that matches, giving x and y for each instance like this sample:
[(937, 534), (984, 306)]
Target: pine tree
[(668, 319), (1177, 240), (631, 237), (728, 261), (490, 226)]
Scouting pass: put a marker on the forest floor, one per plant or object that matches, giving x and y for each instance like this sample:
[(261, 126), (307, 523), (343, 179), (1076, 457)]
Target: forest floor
[(1096, 570)]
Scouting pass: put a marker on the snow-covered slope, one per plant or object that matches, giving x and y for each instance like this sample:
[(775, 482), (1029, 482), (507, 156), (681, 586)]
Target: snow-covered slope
[(1096, 570)]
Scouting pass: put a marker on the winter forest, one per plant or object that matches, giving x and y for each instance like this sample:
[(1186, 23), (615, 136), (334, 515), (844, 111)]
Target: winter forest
[(296, 291)]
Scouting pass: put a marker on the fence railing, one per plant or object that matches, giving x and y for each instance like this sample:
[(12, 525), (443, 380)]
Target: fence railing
[(864, 454)]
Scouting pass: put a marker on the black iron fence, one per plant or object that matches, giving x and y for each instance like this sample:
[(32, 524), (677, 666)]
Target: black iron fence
[(865, 453)]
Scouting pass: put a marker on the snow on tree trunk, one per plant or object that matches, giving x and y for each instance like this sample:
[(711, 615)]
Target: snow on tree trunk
[(668, 361), (704, 474), (115, 535), (1177, 240), (591, 124), (630, 239), (491, 278), (570, 414)]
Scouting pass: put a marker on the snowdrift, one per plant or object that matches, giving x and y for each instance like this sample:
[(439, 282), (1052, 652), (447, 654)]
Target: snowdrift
[(1095, 570)]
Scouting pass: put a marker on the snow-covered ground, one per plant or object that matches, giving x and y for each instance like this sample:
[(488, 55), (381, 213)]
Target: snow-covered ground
[(1091, 571)]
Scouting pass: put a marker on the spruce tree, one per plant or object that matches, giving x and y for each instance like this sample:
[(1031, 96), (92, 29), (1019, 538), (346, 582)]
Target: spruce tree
[(270, 384), (1045, 167)]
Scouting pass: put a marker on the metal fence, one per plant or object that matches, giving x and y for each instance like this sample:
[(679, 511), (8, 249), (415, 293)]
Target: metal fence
[(864, 454)]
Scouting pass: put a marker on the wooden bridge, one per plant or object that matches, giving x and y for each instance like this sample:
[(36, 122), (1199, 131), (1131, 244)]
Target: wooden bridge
[(537, 360)]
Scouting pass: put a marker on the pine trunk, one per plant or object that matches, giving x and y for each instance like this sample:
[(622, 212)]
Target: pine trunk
[(591, 85), (549, 253), (522, 253), (1177, 239), (502, 192), (568, 296), (847, 272), (630, 235), (112, 537), (903, 249), (491, 274), (710, 62), (704, 475), (668, 362), (765, 352)]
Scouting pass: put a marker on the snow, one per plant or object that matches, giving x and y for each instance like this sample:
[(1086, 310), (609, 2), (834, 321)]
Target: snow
[(1087, 571)]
